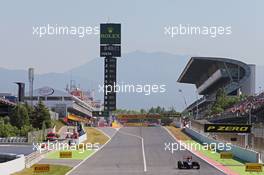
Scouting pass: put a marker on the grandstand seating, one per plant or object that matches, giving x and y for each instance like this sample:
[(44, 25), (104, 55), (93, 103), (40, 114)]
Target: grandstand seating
[(244, 106), (7, 102)]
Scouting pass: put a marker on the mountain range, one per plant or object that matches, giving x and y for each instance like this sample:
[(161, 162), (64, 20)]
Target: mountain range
[(135, 68)]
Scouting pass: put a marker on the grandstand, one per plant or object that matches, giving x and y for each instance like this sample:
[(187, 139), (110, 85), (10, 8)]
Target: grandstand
[(72, 106), (237, 112), (209, 74), (236, 78)]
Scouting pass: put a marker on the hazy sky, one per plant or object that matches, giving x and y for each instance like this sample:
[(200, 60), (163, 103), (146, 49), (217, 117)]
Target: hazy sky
[(142, 22)]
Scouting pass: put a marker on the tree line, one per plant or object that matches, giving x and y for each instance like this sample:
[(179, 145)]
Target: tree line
[(153, 110), (224, 101), (24, 118)]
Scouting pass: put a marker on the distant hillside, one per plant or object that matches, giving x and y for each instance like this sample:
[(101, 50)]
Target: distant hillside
[(133, 68)]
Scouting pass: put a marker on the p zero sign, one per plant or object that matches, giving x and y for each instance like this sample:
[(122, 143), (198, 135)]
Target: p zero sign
[(253, 167), (227, 128)]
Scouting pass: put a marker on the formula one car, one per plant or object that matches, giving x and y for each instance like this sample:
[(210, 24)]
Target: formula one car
[(188, 164)]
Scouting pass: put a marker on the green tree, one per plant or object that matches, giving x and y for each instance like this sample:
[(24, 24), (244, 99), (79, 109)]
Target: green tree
[(223, 101), (163, 110), (158, 110), (143, 111), (41, 114), (152, 110), (30, 110), (7, 130), (172, 110), (25, 129), (19, 116), (6, 119)]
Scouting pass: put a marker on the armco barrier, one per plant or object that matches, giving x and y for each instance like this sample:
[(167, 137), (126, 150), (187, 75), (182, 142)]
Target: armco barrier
[(13, 140), (16, 163), (241, 153), (34, 157)]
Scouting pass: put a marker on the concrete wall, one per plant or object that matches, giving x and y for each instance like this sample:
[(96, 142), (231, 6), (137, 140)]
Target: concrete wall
[(12, 166), (249, 86), (241, 153), (36, 136)]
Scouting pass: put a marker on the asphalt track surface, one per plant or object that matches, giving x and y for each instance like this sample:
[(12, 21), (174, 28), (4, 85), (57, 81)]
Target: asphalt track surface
[(123, 155), (17, 149), (110, 132)]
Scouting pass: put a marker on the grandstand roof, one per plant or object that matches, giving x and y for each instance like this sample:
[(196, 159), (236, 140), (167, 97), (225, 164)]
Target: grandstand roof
[(197, 66), (48, 91)]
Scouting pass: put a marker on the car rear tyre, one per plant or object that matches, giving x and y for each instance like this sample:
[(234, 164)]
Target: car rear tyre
[(179, 165)]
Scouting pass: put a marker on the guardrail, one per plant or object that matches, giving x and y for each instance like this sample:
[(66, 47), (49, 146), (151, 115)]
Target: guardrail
[(34, 157), (13, 140)]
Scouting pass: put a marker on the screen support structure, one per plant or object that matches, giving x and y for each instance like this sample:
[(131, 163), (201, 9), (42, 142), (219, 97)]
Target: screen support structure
[(110, 48)]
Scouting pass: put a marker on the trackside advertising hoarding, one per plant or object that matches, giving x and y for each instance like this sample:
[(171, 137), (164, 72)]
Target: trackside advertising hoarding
[(110, 40), (41, 168), (227, 128), (253, 167), (110, 33)]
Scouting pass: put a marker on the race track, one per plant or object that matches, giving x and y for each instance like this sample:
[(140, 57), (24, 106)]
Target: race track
[(124, 154), (17, 149)]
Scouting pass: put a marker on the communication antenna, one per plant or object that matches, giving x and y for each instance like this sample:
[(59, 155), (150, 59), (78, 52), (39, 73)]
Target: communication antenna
[(108, 20), (31, 82)]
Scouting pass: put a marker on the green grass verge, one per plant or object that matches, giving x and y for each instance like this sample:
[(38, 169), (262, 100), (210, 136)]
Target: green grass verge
[(54, 170), (234, 165), (95, 136), (76, 154)]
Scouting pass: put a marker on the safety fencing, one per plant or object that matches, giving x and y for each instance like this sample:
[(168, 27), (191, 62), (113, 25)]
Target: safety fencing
[(13, 140), (34, 157)]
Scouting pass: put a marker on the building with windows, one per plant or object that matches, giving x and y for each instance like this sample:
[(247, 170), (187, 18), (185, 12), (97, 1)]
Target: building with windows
[(74, 105)]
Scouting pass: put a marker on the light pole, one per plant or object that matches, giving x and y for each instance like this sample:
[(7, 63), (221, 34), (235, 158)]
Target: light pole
[(197, 107), (180, 91), (248, 136)]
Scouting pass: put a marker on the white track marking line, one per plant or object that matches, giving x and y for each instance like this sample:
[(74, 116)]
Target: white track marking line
[(142, 144), (90, 155), (191, 150)]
